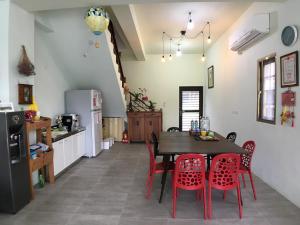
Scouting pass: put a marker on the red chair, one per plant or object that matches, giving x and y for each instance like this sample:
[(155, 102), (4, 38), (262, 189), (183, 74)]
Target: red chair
[(155, 168), (189, 175), (224, 175), (245, 167)]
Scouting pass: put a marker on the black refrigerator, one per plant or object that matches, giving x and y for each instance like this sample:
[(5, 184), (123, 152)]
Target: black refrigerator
[(14, 170)]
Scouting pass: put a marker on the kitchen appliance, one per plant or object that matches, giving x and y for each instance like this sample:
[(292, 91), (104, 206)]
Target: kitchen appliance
[(71, 121), (14, 168), (88, 105)]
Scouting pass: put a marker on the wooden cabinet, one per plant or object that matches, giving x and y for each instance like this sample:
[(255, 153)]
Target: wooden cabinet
[(44, 159), (142, 124)]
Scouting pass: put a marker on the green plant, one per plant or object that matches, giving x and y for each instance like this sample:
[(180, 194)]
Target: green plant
[(137, 95), (152, 105)]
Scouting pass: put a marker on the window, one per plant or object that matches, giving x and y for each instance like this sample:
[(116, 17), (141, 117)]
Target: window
[(190, 106), (266, 93)]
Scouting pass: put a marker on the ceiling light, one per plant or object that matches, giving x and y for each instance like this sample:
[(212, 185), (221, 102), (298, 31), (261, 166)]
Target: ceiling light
[(208, 40), (190, 24), (186, 35), (163, 59), (203, 58), (178, 52)]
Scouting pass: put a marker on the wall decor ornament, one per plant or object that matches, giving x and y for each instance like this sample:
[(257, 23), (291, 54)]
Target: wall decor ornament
[(25, 66), (288, 102), (97, 20), (210, 77), (289, 70), (25, 94)]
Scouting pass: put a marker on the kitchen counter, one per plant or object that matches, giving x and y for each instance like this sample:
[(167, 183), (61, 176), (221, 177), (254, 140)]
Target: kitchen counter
[(60, 137)]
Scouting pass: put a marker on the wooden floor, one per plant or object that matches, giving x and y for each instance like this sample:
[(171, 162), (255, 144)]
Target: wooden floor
[(109, 190)]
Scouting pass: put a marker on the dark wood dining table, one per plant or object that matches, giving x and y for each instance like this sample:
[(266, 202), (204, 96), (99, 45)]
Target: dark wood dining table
[(177, 143)]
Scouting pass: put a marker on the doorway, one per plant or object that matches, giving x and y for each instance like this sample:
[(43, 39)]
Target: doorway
[(190, 106)]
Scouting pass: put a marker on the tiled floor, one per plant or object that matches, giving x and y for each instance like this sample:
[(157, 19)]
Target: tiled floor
[(109, 190)]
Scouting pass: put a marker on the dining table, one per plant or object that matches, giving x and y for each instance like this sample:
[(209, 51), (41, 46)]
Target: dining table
[(177, 143)]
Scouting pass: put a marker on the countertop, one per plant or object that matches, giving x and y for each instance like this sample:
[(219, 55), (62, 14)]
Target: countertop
[(60, 137)]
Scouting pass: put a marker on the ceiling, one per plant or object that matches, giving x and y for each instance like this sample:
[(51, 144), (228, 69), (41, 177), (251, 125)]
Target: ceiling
[(140, 24), (171, 18)]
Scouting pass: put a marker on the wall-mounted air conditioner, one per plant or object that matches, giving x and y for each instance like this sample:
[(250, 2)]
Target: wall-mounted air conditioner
[(253, 30)]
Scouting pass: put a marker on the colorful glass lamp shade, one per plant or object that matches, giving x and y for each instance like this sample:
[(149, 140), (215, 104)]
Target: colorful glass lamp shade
[(97, 20)]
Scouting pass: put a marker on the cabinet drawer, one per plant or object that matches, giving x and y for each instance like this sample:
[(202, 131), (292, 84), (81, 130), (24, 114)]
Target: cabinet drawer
[(153, 114), (135, 114)]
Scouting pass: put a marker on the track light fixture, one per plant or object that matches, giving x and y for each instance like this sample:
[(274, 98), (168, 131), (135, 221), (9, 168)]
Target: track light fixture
[(205, 33)]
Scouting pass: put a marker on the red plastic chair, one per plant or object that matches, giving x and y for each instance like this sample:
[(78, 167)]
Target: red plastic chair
[(224, 175), (155, 168), (245, 167), (189, 175)]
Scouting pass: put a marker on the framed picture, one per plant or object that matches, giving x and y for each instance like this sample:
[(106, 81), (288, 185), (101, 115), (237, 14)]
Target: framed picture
[(210, 77), (289, 70), (25, 94)]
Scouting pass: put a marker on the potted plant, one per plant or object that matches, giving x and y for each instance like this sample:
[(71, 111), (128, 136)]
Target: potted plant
[(137, 95), (152, 105), (144, 94)]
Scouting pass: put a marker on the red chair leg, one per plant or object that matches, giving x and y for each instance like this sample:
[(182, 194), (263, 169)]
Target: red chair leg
[(150, 186), (243, 177), (239, 201), (252, 184), (174, 201), (209, 206), (204, 203)]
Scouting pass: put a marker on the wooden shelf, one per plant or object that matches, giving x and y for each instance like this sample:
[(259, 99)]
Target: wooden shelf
[(44, 159)]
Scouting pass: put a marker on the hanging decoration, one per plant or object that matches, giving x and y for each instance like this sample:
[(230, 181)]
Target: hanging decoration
[(185, 35), (97, 20), (288, 107), (25, 66)]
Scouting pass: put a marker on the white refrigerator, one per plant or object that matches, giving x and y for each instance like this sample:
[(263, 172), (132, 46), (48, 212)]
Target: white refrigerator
[(88, 105)]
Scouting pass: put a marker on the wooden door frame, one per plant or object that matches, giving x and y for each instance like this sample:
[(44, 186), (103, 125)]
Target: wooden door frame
[(190, 88)]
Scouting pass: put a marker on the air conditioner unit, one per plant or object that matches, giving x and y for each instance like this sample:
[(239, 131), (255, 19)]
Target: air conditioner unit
[(252, 31)]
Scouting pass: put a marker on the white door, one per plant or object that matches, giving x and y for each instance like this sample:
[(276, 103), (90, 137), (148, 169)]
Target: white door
[(58, 157)]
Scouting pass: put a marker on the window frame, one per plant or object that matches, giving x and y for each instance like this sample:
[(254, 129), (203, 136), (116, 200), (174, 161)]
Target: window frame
[(260, 86), (190, 88)]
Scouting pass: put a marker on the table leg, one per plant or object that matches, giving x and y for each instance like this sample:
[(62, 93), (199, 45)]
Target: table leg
[(208, 161), (166, 160)]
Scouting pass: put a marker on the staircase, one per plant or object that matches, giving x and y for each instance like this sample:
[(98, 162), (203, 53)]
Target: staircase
[(114, 52)]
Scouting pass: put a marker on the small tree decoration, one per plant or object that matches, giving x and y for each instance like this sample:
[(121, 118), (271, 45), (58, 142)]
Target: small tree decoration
[(152, 105), (144, 94), (25, 66)]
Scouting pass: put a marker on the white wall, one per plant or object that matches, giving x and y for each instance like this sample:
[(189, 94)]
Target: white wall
[(231, 104), (4, 79), (50, 82), (21, 32), (162, 81)]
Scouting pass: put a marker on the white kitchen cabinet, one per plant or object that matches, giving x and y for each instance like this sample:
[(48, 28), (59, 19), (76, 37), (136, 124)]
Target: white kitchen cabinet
[(58, 157), (67, 151)]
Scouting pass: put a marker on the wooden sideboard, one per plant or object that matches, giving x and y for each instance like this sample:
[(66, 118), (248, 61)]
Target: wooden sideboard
[(142, 124)]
